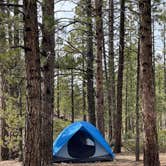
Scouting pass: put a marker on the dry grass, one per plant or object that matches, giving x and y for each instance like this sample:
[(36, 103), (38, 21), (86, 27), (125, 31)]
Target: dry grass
[(122, 159)]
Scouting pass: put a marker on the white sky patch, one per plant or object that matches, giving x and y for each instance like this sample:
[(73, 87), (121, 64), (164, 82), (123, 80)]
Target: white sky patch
[(64, 9)]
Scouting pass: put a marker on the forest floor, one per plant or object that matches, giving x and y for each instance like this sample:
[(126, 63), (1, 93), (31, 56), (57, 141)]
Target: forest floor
[(123, 159)]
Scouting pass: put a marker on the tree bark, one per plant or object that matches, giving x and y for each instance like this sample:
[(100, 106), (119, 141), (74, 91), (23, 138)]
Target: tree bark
[(151, 150), (48, 45), (72, 96), (126, 104), (32, 62), (153, 55), (99, 72), (137, 149), (17, 42), (20, 129), (118, 140), (165, 60), (58, 95), (83, 90), (112, 109), (90, 70), (164, 115)]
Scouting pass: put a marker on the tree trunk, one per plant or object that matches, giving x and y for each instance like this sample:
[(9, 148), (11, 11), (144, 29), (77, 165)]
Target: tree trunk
[(164, 114), (32, 61), (126, 104), (165, 60), (17, 42), (108, 95), (20, 129), (112, 109), (90, 60), (153, 55), (58, 95), (118, 140), (48, 45), (151, 150), (137, 149), (58, 90), (16, 30), (105, 63), (83, 90), (99, 72), (72, 96)]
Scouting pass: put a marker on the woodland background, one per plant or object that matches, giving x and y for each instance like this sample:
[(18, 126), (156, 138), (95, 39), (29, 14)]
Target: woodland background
[(83, 64)]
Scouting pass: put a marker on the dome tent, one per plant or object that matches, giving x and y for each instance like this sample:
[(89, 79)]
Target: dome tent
[(81, 142)]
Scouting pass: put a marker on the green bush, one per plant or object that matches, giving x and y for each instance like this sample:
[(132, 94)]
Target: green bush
[(162, 140)]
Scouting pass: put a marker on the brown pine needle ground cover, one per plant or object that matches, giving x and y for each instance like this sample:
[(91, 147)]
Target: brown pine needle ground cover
[(123, 159)]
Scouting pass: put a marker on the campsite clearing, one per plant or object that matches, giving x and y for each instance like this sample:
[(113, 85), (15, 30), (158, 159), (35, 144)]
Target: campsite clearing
[(123, 159)]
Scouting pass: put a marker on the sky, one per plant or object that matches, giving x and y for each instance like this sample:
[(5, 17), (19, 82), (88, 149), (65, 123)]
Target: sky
[(66, 6)]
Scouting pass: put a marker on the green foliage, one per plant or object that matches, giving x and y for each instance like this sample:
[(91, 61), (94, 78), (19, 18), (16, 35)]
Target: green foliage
[(14, 122), (160, 93), (59, 125), (129, 143), (162, 140)]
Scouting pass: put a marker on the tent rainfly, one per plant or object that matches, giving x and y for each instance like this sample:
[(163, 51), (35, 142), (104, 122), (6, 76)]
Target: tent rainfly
[(81, 142)]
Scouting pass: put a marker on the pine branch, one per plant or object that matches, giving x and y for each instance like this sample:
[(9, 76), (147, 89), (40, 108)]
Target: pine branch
[(10, 5)]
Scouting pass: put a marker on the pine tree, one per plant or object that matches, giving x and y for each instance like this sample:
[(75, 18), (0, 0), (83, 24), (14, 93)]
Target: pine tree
[(90, 68), (118, 138), (48, 45), (112, 109), (151, 151), (99, 72), (33, 77)]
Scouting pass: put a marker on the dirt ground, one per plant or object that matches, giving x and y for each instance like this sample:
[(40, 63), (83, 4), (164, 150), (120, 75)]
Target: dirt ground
[(122, 159)]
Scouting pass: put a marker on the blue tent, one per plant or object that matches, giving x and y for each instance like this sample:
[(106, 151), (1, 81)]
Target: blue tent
[(81, 142)]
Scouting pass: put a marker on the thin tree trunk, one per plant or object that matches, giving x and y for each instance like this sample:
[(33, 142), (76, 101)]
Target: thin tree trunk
[(137, 149), (126, 104), (90, 70), (20, 129), (16, 30), (151, 149), (58, 90), (105, 62), (153, 55), (72, 97), (165, 60), (32, 61), (99, 74), (108, 95), (164, 115), (118, 140), (48, 45), (58, 95), (83, 90), (16, 42), (10, 36), (112, 109)]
